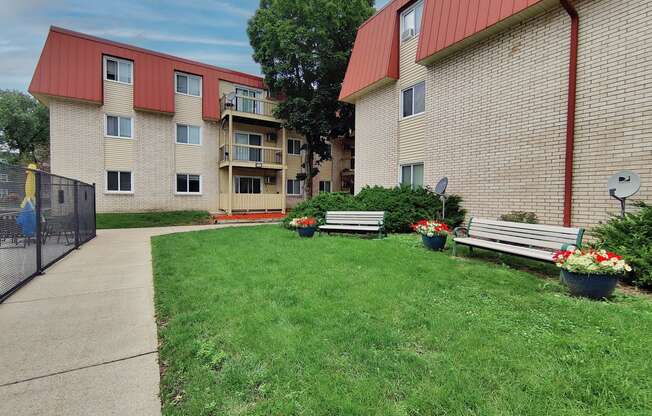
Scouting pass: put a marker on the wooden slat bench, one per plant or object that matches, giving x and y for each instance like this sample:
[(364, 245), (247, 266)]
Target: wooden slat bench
[(533, 241), (355, 221)]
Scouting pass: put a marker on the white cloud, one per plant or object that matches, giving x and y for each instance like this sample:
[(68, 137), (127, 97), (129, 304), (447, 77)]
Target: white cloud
[(164, 37)]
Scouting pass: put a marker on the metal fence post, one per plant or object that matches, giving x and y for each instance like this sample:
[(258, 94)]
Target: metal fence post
[(94, 213), (37, 215), (76, 210)]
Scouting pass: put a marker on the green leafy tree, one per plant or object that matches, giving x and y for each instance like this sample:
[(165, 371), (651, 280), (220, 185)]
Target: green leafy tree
[(303, 47), (24, 126)]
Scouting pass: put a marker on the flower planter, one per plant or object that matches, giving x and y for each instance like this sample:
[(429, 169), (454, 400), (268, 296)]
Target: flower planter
[(306, 232), (590, 286), (437, 242)]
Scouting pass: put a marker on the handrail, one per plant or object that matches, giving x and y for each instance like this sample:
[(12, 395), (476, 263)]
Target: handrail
[(251, 105)]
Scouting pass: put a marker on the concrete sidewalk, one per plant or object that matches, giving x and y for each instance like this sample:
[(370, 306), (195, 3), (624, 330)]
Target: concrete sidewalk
[(81, 339)]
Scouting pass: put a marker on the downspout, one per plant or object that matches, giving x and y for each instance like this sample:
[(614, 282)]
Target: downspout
[(570, 117)]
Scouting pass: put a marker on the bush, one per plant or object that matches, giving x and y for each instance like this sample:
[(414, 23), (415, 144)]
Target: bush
[(403, 206), (521, 216), (631, 237)]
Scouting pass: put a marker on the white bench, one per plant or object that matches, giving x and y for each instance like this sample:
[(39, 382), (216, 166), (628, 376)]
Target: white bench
[(355, 221), (532, 241)]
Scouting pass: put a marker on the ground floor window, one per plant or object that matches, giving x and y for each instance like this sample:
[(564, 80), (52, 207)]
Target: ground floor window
[(294, 187), (412, 175), (247, 185), (188, 184), (118, 181), (324, 186)]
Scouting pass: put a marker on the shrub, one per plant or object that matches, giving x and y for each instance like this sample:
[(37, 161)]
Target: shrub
[(631, 237), (404, 206), (521, 216)]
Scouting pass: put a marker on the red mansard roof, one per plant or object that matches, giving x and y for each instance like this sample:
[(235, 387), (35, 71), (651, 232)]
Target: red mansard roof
[(445, 23), (70, 66)]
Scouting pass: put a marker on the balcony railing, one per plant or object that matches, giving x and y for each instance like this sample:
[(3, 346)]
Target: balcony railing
[(248, 153), (252, 202), (250, 105)]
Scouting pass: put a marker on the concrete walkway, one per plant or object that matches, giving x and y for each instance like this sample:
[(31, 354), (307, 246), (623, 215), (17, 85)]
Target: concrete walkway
[(81, 339)]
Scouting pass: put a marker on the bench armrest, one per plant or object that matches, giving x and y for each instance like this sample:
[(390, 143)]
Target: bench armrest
[(461, 231)]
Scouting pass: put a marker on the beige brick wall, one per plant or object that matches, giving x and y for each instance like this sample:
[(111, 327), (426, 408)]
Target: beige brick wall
[(496, 116), (80, 150), (376, 138)]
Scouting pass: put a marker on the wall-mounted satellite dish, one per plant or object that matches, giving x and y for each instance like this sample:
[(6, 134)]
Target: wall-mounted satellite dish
[(440, 190), (622, 185)]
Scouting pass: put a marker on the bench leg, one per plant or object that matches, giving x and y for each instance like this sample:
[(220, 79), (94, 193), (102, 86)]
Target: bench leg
[(454, 249), (471, 250)]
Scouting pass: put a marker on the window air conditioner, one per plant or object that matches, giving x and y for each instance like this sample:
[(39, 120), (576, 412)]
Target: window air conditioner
[(272, 137), (270, 180)]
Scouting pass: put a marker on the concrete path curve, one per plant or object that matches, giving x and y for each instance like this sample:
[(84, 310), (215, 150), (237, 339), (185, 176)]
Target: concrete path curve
[(81, 339)]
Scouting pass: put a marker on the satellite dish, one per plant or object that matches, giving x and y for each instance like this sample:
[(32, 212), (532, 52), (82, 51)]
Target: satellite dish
[(622, 185), (440, 189)]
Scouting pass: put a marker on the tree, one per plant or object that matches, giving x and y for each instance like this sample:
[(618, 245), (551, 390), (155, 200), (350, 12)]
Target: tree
[(303, 47), (24, 126)]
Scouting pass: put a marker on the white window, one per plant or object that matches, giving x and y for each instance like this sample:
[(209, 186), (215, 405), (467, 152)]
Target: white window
[(4, 193), (324, 186), (117, 126), (119, 181), (412, 175), (411, 21), (294, 147), (188, 184), (248, 105), (118, 70), (4, 177), (187, 134), (248, 185), (413, 100), (294, 187), (243, 149), (187, 84)]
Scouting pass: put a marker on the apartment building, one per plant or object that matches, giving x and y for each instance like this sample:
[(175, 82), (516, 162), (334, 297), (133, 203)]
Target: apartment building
[(158, 132), (525, 105)]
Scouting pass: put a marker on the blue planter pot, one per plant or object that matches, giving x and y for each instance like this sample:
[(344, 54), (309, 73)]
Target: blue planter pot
[(590, 286), (437, 242), (306, 232)]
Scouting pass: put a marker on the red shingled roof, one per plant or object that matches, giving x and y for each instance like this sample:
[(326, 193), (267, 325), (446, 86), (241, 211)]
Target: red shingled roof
[(70, 66), (375, 56)]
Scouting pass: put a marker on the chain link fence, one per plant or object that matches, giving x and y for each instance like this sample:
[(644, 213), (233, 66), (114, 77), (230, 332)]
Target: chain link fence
[(43, 217)]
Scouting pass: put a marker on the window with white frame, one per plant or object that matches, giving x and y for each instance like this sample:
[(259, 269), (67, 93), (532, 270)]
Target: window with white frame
[(119, 181), (243, 149), (248, 105), (411, 21), (188, 184), (4, 177), (117, 126), (118, 70), (413, 100), (412, 175), (187, 84), (248, 185), (324, 186), (294, 147), (294, 187), (187, 134), (4, 193)]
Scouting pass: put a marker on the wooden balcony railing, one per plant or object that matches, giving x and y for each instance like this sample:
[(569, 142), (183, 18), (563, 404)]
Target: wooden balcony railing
[(250, 105), (247, 153)]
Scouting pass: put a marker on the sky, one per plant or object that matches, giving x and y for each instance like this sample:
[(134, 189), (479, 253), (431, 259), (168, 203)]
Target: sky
[(210, 31)]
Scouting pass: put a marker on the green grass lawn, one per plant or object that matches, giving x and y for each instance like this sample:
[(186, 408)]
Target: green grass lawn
[(255, 321), (152, 219)]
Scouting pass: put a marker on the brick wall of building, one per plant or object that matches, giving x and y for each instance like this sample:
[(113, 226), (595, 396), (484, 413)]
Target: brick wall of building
[(496, 116)]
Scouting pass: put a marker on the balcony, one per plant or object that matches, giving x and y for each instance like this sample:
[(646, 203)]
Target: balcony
[(252, 202), (248, 107), (251, 156)]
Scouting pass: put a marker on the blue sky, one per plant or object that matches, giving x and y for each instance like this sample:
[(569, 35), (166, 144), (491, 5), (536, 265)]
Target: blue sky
[(210, 31)]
